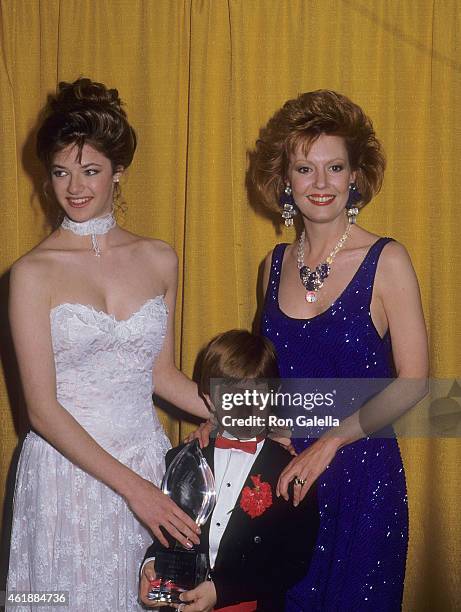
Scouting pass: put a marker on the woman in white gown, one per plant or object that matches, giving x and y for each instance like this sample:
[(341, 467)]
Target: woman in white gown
[(92, 311)]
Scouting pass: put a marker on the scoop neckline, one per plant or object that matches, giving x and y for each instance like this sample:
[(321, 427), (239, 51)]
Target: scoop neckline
[(340, 296)]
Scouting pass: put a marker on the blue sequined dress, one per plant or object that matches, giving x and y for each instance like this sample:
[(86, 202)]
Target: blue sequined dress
[(359, 560)]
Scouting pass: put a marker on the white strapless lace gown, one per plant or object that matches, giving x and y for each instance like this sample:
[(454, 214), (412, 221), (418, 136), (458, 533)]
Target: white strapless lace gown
[(71, 532)]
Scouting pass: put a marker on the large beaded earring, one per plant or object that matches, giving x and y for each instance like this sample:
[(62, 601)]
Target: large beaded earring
[(288, 206), (351, 207)]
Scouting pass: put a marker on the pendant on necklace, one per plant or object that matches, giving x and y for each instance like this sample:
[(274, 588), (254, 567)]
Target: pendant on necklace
[(312, 280)]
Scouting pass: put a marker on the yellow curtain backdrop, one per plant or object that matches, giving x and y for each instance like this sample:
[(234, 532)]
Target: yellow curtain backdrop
[(199, 78)]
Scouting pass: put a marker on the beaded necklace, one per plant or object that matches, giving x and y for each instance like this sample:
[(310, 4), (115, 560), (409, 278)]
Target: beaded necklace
[(313, 280)]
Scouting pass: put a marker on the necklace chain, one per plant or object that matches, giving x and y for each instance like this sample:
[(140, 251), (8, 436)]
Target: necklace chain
[(313, 280), (92, 227)]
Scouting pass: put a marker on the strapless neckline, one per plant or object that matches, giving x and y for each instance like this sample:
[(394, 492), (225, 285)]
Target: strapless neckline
[(104, 314)]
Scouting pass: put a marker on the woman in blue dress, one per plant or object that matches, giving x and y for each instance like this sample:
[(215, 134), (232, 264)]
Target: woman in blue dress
[(342, 302)]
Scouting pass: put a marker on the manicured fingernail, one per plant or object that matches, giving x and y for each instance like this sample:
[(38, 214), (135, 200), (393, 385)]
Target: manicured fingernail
[(189, 544)]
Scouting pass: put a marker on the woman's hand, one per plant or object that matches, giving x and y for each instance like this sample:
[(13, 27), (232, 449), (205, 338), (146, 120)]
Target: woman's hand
[(155, 510), (306, 468), (200, 599), (202, 434)]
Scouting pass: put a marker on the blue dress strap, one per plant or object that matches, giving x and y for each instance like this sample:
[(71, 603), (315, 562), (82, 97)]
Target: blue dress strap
[(365, 275), (275, 272)]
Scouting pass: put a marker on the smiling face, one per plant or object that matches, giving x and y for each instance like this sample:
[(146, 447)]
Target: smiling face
[(320, 178), (83, 188)]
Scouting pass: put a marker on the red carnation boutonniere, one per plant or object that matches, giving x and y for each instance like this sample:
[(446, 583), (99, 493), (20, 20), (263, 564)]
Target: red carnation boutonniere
[(255, 501)]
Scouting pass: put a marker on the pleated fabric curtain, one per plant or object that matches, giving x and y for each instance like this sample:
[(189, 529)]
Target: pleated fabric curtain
[(199, 78)]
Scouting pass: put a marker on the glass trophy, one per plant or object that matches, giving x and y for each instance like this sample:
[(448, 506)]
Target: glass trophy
[(189, 482)]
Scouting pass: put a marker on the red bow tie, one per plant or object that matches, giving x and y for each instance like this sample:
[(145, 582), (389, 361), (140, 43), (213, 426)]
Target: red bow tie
[(247, 446)]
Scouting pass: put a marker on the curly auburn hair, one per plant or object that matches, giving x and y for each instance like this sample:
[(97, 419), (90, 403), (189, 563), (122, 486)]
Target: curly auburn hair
[(300, 122), (86, 112)]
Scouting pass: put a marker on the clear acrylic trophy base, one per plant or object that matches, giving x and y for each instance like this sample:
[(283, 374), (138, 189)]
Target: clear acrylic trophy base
[(177, 571)]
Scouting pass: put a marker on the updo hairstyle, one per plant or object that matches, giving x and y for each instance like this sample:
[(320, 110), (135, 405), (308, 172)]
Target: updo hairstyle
[(86, 112), (300, 122)]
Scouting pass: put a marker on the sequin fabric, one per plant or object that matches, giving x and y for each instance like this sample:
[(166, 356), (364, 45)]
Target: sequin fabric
[(70, 531), (359, 559)]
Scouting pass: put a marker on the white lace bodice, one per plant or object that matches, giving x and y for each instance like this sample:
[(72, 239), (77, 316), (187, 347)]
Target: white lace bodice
[(70, 531), (104, 370)]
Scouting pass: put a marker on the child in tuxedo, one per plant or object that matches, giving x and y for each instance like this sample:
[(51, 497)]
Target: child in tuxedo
[(258, 544)]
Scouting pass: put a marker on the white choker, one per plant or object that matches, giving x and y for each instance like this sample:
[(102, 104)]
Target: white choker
[(92, 227)]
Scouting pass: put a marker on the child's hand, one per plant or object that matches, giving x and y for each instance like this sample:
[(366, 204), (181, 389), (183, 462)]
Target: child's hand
[(147, 575), (200, 599)]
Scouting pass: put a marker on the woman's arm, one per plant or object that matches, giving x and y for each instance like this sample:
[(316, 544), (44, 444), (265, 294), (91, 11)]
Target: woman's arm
[(171, 384), (397, 291), (31, 330)]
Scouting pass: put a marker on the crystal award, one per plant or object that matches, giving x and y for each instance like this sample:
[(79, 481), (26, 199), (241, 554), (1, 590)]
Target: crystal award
[(189, 482)]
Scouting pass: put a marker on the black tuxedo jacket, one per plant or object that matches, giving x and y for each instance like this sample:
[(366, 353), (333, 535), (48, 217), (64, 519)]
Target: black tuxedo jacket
[(260, 558)]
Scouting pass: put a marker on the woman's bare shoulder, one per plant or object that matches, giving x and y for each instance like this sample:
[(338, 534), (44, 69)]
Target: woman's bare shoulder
[(394, 270), (394, 256), (156, 257), (31, 274), (35, 261), (158, 251)]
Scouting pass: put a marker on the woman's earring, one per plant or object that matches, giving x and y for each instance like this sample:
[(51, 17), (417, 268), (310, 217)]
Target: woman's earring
[(288, 206), (351, 207), (116, 194)]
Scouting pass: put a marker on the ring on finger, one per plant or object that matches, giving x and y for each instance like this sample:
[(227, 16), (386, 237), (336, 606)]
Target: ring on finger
[(300, 481)]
